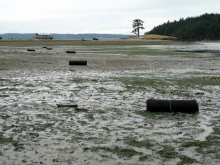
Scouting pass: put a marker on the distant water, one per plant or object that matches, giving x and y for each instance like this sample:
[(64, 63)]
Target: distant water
[(208, 48)]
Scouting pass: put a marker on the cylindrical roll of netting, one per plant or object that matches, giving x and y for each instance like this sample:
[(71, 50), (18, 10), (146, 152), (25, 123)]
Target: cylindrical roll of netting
[(32, 50), (70, 51), (186, 106), (77, 62)]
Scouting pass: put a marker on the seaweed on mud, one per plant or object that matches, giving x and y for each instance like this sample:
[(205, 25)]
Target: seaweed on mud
[(168, 152), (8, 127), (186, 160), (100, 111), (33, 134), (106, 128), (209, 150), (140, 83), (212, 138), (42, 127), (126, 128), (83, 122), (42, 116), (160, 85), (144, 158), (95, 140), (104, 118), (82, 87), (89, 116), (145, 114), (78, 80), (206, 147), (217, 156), (200, 144), (4, 116), (105, 156), (17, 146), (133, 142), (80, 137), (4, 139), (216, 131), (9, 89), (120, 152), (194, 81), (29, 85)]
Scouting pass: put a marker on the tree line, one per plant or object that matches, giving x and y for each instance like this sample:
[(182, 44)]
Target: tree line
[(204, 27)]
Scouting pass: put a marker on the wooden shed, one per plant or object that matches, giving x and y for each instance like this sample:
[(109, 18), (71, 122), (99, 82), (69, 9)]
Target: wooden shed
[(44, 36)]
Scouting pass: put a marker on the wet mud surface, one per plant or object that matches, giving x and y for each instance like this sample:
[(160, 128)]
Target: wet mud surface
[(113, 87)]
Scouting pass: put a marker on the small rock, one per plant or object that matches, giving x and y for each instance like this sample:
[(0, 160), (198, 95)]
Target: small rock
[(86, 148), (24, 161)]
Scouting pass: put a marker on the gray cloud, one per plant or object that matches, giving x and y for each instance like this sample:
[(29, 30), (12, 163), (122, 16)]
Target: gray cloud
[(97, 16)]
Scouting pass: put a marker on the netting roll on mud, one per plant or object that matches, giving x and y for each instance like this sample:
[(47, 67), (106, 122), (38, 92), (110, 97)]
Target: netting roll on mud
[(70, 52), (186, 106), (77, 62), (31, 50), (49, 48)]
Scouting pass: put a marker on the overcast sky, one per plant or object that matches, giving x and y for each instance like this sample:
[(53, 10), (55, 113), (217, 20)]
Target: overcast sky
[(95, 16)]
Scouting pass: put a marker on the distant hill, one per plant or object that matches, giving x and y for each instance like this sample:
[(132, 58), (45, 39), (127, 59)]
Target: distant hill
[(65, 36), (204, 27)]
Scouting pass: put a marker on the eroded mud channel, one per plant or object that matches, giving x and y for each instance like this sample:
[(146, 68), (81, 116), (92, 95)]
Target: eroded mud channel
[(114, 87)]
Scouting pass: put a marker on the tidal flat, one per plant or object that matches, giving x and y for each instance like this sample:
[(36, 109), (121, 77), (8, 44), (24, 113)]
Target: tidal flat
[(113, 87)]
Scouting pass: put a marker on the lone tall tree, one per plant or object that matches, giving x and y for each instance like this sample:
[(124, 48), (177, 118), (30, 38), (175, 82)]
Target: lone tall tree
[(137, 25)]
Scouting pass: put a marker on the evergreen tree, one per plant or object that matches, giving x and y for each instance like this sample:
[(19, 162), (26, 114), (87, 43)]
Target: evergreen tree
[(137, 25)]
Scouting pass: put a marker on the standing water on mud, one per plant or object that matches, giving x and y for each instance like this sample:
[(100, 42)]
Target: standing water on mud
[(205, 48)]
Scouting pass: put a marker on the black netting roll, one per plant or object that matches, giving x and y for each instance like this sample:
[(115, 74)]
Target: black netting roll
[(187, 106)]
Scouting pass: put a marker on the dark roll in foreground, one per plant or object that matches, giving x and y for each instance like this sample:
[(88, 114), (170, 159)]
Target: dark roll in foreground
[(186, 106), (77, 62)]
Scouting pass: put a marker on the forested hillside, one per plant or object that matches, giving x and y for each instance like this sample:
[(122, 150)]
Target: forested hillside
[(206, 26)]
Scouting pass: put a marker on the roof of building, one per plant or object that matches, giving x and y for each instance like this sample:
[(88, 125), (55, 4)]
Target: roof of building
[(44, 33)]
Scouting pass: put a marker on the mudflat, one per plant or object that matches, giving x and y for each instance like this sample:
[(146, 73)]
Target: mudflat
[(88, 42), (113, 87)]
